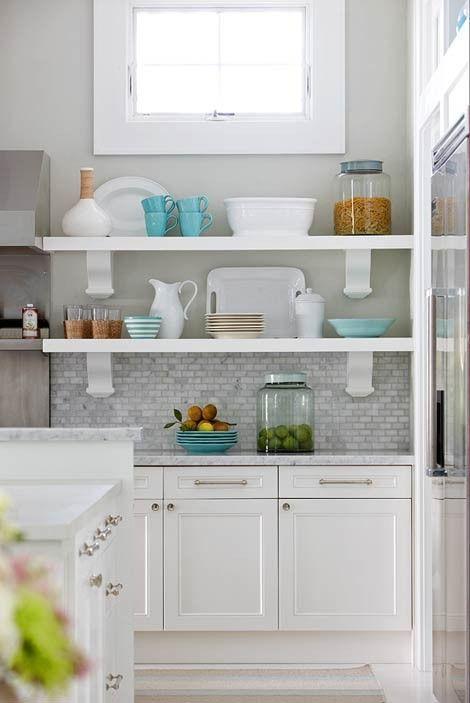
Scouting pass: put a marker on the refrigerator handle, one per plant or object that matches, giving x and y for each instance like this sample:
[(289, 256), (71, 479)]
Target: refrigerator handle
[(431, 414)]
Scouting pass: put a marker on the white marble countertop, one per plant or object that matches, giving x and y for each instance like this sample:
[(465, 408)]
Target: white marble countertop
[(149, 458), (53, 511), (68, 434)]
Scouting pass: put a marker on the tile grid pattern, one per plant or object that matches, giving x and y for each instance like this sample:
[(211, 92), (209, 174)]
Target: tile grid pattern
[(149, 386)]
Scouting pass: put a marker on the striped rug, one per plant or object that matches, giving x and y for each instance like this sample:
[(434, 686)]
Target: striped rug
[(352, 685)]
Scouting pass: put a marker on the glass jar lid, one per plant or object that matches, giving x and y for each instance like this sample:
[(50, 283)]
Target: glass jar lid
[(285, 378), (362, 166)]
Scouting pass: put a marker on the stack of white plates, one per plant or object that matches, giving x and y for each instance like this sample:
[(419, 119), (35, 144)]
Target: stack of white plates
[(235, 325)]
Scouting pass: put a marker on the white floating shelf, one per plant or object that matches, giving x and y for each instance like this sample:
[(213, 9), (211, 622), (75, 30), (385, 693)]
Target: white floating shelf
[(99, 354), (222, 244), (214, 346)]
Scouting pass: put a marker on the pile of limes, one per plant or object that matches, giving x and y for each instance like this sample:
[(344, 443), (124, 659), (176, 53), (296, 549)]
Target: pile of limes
[(286, 438)]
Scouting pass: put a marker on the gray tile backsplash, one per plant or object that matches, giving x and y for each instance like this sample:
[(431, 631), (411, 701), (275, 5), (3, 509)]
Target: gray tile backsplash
[(149, 386)]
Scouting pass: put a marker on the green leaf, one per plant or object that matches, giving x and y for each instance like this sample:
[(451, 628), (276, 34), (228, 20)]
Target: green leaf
[(178, 415), (168, 425)]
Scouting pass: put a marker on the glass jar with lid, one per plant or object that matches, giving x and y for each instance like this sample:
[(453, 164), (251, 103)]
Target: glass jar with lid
[(362, 200), (285, 414)]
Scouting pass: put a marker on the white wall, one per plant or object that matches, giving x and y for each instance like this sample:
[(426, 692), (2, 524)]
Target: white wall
[(46, 89)]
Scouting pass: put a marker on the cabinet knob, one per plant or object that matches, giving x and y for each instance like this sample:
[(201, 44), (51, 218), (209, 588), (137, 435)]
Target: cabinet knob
[(102, 534), (113, 681), (95, 581), (114, 589), (155, 507), (286, 506), (170, 507), (87, 550), (113, 520)]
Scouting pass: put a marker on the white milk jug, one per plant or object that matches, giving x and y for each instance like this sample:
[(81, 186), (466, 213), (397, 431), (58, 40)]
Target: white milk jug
[(167, 305)]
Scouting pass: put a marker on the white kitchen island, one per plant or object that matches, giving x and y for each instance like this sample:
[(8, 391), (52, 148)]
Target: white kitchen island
[(71, 492)]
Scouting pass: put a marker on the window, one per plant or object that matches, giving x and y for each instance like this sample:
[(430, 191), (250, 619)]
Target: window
[(228, 76), (225, 64)]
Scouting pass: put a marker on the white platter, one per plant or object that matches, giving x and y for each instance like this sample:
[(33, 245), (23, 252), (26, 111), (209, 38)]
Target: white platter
[(121, 199), (269, 289), (235, 335)]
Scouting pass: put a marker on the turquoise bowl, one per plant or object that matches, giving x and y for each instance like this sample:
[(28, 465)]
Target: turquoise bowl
[(206, 442), (207, 447), (143, 327), (362, 327)]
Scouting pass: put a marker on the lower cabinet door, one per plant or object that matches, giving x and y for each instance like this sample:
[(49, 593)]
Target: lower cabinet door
[(221, 565), (345, 564), (148, 564)]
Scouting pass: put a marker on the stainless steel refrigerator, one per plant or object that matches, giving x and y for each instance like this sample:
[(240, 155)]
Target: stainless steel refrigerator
[(449, 413)]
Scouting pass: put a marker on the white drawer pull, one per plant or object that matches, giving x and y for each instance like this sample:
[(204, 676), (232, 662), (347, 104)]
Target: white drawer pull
[(346, 482), (199, 482)]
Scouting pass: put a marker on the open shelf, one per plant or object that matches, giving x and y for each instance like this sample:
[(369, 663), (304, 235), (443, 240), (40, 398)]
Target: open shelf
[(214, 346), (21, 344), (221, 244)]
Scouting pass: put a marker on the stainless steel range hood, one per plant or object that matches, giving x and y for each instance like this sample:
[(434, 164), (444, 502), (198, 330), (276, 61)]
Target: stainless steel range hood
[(24, 197)]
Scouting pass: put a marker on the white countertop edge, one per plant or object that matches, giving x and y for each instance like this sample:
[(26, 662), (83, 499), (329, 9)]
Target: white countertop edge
[(67, 434), (39, 532), (149, 459)]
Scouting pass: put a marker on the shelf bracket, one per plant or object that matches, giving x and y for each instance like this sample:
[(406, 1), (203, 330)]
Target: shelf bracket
[(100, 374), (99, 266), (359, 374), (358, 274)]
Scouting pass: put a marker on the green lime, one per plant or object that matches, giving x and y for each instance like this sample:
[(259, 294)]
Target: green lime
[(274, 444), (263, 432), (306, 446), (304, 434), (307, 429), (290, 444), (282, 432), (293, 429), (262, 444)]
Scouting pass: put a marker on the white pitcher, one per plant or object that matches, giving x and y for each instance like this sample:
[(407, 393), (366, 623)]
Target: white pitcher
[(167, 305)]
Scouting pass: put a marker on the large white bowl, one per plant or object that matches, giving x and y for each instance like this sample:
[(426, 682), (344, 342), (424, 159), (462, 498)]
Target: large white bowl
[(270, 216)]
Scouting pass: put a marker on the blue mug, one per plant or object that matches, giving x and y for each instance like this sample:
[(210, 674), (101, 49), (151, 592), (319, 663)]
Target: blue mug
[(198, 203), (158, 223), (192, 224), (158, 203)]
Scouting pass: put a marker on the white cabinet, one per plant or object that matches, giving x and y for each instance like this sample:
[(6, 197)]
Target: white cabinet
[(148, 564), (221, 564), (345, 564)]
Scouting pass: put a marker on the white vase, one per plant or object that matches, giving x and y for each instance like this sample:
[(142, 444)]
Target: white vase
[(86, 218), (167, 305), (309, 315)]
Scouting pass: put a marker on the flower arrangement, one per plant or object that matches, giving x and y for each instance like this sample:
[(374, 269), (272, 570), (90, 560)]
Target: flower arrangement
[(36, 652)]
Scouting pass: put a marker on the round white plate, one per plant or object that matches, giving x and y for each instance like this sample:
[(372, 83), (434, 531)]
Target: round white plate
[(121, 199)]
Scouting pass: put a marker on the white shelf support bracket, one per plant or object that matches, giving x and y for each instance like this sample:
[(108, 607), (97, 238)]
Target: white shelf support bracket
[(358, 274), (100, 374), (99, 266), (359, 374)]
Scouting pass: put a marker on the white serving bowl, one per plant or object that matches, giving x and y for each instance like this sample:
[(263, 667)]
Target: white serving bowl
[(270, 216)]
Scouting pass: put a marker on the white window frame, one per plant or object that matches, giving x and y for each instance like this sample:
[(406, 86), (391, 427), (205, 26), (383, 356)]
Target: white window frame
[(320, 131)]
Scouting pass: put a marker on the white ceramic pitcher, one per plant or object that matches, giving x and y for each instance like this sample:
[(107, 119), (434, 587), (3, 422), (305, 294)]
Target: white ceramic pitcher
[(167, 305)]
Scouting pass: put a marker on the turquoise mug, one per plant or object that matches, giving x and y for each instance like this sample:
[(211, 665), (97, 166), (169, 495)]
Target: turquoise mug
[(192, 224), (198, 203), (159, 223), (159, 203)]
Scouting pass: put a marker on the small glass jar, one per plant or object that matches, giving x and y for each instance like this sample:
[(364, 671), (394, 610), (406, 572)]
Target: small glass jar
[(285, 411), (362, 200)]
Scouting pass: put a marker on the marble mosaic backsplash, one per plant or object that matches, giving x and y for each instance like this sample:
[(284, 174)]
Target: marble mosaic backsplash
[(149, 386)]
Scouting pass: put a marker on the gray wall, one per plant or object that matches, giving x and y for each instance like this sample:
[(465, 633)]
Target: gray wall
[(46, 87)]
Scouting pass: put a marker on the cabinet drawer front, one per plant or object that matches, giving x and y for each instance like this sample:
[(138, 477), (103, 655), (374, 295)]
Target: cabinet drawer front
[(148, 482), (345, 482), (221, 482)]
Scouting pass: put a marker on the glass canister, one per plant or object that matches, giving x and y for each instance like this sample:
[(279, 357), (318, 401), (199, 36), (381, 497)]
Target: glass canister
[(285, 410), (362, 201)]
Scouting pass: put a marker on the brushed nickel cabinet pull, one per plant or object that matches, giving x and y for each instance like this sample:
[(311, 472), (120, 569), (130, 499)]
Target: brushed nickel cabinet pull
[(170, 507), (286, 507), (113, 681), (199, 482), (113, 520), (87, 550), (95, 581), (114, 589), (346, 482), (155, 507)]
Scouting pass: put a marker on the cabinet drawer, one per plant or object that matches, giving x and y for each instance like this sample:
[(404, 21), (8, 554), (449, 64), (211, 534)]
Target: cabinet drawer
[(148, 482), (345, 482), (221, 482)]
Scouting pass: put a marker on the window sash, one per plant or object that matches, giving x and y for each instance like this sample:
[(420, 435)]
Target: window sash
[(134, 115)]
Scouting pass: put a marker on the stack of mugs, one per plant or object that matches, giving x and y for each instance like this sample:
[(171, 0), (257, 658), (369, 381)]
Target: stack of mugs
[(192, 215), (92, 322)]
